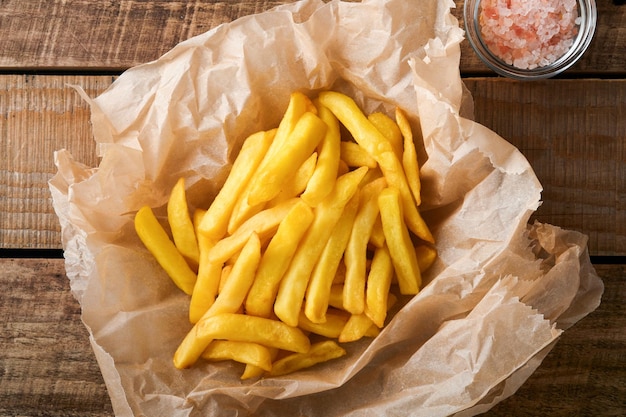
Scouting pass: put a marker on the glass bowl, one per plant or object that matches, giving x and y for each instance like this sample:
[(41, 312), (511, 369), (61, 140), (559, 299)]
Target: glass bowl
[(479, 39)]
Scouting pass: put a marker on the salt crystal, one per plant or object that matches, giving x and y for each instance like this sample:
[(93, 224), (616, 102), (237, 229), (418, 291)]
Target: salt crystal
[(529, 33)]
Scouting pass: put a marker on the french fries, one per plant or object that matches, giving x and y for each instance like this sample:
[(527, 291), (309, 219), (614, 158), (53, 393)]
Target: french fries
[(310, 238)]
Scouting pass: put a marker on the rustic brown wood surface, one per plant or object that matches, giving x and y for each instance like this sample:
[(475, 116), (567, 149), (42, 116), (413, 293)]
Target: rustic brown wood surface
[(114, 35), (572, 129), (48, 367)]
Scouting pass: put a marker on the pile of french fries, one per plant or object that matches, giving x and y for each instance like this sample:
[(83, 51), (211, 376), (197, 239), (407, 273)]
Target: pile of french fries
[(313, 236)]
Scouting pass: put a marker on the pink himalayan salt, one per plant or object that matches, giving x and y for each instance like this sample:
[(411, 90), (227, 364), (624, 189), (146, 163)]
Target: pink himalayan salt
[(529, 33)]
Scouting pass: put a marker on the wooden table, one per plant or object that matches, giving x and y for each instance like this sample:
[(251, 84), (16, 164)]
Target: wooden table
[(571, 128)]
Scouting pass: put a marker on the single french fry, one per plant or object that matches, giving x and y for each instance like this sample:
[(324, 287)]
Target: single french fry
[(303, 140), (226, 270), (295, 185), (332, 327), (426, 256), (243, 352), (207, 284), (261, 223), (157, 241), (276, 259), (198, 215), (356, 327), (325, 270), (389, 128), (370, 138), (409, 156), (355, 156), (355, 256), (399, 241), (294, 283), (323, 179), (378, 283), (180, 222), (377, 237), (320, 352), (242, 328)]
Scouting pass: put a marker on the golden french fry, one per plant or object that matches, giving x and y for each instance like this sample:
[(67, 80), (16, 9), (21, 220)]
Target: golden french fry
[(298, 105), (332, 327), (240, 279), (198, 215), (294, 283), (242, 328), (325, 270), (295, 185), (375, 143), (157, 241), (355, 156), (261, 223), (181, 225), (355, 256), (215, 221), (426, 256), (389, 129), (276, 259), (409, 156), (399, 241), (319, 352), (377, 237), (226, 270), (356, 327), (323, 179), (207, 284), (303, 140), (378, 283), (243, 352)]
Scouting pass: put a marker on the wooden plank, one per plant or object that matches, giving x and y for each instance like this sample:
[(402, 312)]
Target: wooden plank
[(114, 35), (573, 133), (48, 365), (575, 144), (39, 115)]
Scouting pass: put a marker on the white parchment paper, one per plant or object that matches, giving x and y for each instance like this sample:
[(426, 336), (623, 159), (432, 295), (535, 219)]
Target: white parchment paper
[(496, 300)]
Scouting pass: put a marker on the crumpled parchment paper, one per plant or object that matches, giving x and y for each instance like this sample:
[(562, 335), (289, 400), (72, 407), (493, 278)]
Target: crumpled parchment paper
[(497, 299)]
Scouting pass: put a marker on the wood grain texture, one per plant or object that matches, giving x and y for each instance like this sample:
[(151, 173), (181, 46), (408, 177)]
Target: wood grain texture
[(114, 35), (39, 115), (111, 35), (573, 132), (47, 366)]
